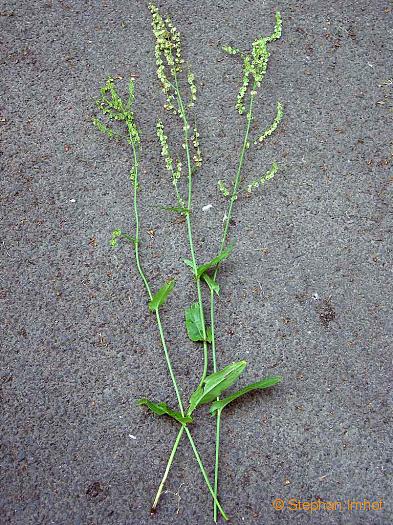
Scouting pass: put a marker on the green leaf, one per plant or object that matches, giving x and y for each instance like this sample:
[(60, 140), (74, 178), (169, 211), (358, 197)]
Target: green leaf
[(189, 263), (162, 409), (194, 324), (175, 209), (259, 385), (161, 296), (220, 257), (212, 284), (216, 383)]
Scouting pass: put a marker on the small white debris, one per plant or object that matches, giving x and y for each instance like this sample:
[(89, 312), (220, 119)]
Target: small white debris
[(131, 436), (368, 63), (72, 200), (207, 207), (225, 217), (315, 296)]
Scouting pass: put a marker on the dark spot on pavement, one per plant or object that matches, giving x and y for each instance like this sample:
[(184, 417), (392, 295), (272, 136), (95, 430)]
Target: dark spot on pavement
[(96, 492), (326, 312)]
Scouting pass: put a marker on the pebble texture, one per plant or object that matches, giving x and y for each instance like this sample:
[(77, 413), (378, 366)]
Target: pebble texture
[(307, 292)]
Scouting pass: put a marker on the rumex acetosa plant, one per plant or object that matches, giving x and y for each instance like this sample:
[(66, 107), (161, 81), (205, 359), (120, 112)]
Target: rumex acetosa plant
[(117, 122)]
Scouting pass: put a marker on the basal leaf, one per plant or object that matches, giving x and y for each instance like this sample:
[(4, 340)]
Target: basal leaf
[(194, 324), (161, 296), (162, 409), (216, 383), (212, 284), (259, 385), (220, 257)]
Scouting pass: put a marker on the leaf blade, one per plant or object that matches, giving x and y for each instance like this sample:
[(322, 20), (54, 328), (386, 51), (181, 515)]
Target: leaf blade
[(213, 262), (212, 284), (175, 209), (161, 409), (215, 384), (194, 324), (161, 296), (258, 385)]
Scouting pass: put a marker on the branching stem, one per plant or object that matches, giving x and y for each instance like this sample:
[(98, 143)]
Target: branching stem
[(228, 216), (167, 357)]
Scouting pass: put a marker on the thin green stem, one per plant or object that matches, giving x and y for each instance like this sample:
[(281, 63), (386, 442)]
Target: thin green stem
[(167, 357), (168, 468), (194, 263), (198, 458), (216, 463), (236, 184), (183, 428), (186, 127), (228, 216), (146, 283)]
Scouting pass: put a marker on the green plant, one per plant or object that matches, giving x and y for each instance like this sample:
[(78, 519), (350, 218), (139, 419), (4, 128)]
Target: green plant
[(118, 122)]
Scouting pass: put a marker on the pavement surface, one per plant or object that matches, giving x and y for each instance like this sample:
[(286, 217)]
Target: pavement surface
[(307, 292)]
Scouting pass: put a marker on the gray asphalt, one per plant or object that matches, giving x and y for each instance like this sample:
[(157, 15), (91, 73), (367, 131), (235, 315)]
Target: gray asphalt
[(307, 292)]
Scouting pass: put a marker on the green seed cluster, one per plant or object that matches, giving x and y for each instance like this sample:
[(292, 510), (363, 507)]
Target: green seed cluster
[(193, 89), (169, 61), (110, 133), (260, 182), (115, 238), (114, 109), (223, 189), (197, 155), (163, 140), (255, 63), (174, 168), (168, 55), (231, 50), (273, 126), (133, 175)]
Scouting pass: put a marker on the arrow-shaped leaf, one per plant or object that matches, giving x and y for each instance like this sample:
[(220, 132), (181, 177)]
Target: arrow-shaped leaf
[(194, 324), (162, 409), (220, 257), (216, 383), (259, 385), (161, 296), (212, 284)]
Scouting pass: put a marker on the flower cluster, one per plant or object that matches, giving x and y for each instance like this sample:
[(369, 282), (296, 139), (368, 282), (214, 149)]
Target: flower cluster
[(193, 89), (255, 63), (223, 189), (169, 61), (163, 140), (273, 126), (268, 176), (174, 168), (168, 55), (197, 155), (113, 107)]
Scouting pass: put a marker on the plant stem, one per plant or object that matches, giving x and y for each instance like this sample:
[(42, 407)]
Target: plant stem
[(167, 357), (228, 216), (198, 284), (168, 467), (198, 458), (216, 462), (146, 283), (189, 227)]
